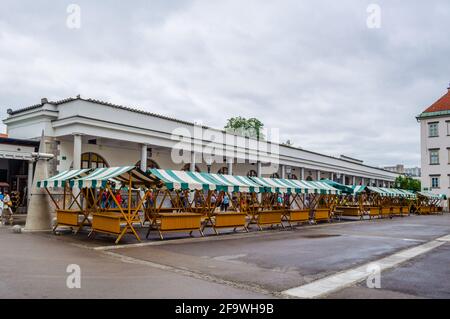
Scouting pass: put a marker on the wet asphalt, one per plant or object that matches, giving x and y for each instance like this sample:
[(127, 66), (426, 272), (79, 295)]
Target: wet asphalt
[(232, 265)]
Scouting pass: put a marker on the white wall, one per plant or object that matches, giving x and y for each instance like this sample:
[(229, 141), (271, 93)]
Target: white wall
[(442, 142)]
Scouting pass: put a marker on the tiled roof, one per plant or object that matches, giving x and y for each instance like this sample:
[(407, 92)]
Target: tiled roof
[(443, 104), (126, 108)]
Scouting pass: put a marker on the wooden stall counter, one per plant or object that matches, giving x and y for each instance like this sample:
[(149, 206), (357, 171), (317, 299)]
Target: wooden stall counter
[(71, 218), (297, 216), (177, 222), (227, 220), (321, 214)]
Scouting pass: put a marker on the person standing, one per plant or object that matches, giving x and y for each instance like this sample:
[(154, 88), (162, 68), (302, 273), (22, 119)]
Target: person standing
[(6, 211), (225, 202)]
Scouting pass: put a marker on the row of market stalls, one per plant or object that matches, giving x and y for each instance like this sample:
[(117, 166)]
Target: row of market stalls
[(118, 200)]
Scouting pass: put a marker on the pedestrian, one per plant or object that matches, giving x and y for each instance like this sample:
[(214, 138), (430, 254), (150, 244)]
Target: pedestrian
[(1, 204), (280, 200), (225, 202), (6, 211), (119, 198), (104, 200)]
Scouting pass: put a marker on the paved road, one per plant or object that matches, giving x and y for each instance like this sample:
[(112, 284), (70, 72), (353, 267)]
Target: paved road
[(255, 265)]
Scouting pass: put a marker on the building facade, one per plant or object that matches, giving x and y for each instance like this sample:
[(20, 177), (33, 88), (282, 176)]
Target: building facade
[(90, 133), (435, 145)]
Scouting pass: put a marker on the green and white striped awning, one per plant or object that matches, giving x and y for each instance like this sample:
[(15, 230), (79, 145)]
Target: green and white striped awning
[(187, 180), (278, 185), (431, 195), (239, 183), (273, 185), (381, 191), (358, 188), (62, 178), (408, 193), (116, 176)]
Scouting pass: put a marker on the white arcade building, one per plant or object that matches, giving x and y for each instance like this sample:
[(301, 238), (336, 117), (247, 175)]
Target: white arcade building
[(90, 133)]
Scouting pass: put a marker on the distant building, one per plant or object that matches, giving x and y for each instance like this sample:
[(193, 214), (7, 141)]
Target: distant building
[(413, 171), (407, 171), (399, 168), (435, 145)]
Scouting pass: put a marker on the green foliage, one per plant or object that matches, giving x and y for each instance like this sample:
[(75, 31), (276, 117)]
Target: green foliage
[(251, 127), (408, 183)]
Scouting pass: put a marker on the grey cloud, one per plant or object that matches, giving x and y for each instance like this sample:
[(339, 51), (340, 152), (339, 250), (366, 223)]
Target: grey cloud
[(312, 69)]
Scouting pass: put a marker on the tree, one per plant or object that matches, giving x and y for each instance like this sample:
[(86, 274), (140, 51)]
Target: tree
[(251, 127), (408, 183)]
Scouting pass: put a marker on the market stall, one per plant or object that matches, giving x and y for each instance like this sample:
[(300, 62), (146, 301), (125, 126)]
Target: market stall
[(117, 196), (71, 207)]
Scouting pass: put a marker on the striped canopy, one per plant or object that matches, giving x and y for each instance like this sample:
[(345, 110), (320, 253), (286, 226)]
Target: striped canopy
[(358, 188), (273, 185), (278, 185), (408, 193), (60, 179), (116, 176), (344, 188), (239, 183), (185, 180), (431, 195), (381, 191)]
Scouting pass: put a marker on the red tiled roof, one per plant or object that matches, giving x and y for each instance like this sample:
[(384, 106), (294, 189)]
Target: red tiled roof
[(443, 104)]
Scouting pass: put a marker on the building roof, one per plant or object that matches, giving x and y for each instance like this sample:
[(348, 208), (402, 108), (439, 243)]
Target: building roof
[(440, 107), (20, 142), (140, 111)]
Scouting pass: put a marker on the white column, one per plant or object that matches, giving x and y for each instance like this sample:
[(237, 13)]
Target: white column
[(29, 181), (343, 179), (144, 157), (362, 181), (76, 151), (302, 173), (259, 168), (283, 171), (192, 166), (318, 175), (354, 180), (332, 176), (230, 165)]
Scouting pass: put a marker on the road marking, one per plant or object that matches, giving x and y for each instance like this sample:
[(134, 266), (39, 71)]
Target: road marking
[(193, 274), (327, 285)]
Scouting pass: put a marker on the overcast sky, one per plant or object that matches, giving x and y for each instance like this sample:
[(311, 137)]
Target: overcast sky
[(313, 69)]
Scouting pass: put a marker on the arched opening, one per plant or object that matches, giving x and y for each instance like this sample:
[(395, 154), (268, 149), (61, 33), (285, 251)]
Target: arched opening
[(223, 171), (150, 164), (187, 167), (252, 173), (92, 160)]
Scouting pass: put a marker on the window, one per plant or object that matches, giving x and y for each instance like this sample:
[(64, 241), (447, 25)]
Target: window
[(252, 173), (223, 171), (92, 160), (433, 129), (274, 175), (448, 127), (434, 157), (434, 182), (291, 176), (187, 168), (150, 164)]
